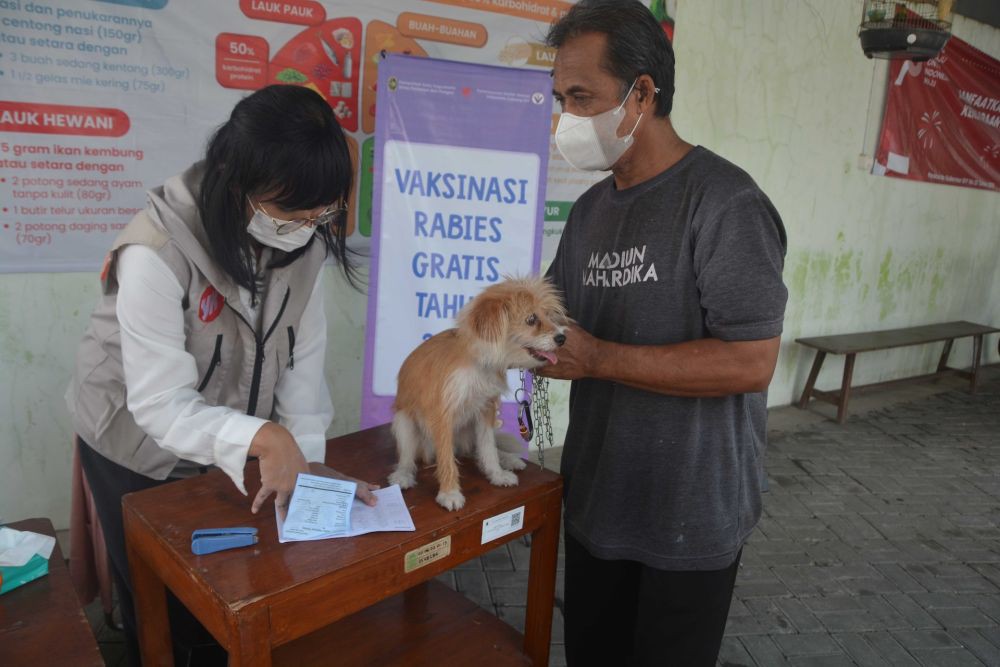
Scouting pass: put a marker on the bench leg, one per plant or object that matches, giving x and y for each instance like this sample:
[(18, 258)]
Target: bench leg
[(845, 389), (977, 354), (813, 374), (943, 363)]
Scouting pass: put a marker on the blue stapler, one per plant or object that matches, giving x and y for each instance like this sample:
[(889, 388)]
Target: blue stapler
[(209, 540)]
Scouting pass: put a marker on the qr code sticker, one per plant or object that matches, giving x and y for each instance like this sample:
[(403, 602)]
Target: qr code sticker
[(515, 519)]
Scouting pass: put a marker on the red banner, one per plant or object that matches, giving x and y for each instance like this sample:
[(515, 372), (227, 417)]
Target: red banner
[(304, 12), (62, 119), (942, 119)]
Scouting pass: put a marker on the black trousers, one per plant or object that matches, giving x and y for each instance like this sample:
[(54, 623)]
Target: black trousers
[(621, 612), (193, 645)]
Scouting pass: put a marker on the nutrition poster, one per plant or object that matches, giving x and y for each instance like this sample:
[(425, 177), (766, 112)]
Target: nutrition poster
[(102, 100)]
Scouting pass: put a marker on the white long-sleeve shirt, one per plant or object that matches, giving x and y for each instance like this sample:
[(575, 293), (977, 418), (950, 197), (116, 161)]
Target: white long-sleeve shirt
[(161, 375)]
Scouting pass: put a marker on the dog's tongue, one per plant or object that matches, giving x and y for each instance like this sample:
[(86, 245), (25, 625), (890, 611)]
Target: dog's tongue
[(552, 359)]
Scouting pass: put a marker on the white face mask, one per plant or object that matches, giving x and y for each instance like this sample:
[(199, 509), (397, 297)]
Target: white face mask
[(591, 143), (262, 228)]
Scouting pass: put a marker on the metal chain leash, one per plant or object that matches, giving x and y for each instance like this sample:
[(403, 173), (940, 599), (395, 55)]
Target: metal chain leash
[(543, 419), (533, 415)]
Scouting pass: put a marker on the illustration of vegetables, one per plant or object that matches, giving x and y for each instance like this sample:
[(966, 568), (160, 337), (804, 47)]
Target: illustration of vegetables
[(515, 51), (322, 71), (291, 75), (330, 53), (344, 37), (659, 9), (304, 53)]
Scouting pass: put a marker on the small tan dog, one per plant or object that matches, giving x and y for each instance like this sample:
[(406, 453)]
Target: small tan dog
[(450, 386)]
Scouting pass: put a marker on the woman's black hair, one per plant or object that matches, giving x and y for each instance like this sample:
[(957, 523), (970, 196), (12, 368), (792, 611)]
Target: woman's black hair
[(284, 141), (636, 43)]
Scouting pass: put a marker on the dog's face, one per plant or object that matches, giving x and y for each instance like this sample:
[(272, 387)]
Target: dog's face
[(517, 323)]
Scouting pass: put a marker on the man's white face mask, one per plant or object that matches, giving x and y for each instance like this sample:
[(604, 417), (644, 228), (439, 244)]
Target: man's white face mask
[(591, 143)]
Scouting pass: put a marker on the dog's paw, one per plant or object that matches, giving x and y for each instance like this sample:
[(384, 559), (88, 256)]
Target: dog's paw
[(450, 500), (503, 478), (511, 461), (404, 478)]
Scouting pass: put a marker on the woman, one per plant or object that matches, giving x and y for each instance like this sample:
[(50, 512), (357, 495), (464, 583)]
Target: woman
[(208, 343)]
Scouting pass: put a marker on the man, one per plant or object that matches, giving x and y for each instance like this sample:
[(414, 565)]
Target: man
[(672, 269)]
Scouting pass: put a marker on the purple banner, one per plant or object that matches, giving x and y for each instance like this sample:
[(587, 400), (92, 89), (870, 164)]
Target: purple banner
[(461, 154)]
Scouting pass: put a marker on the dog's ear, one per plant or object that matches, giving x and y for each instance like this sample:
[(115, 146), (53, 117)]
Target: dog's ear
[(489, 317), (552, 303)]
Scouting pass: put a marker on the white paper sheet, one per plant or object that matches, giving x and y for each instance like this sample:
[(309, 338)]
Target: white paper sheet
[(389, 514), (320, 507), (18, 546)]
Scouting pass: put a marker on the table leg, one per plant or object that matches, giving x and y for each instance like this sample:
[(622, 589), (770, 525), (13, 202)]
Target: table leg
[(149, 595), (542, 584), (250, 639), (943, 363), (813, 374), (977, 355), (845, 389)]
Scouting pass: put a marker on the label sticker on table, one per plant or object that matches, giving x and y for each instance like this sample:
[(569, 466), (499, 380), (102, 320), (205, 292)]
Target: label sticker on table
[(427, 554), (503, 524)]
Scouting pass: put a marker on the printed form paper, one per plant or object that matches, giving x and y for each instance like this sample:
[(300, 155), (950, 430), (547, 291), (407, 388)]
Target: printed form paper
[(389, 514), (320, 507)]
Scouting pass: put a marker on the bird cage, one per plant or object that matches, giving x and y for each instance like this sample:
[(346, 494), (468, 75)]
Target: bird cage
[(912, 30)]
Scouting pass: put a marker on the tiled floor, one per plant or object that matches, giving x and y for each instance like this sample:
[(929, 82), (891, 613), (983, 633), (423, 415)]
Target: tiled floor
[(880, 543)]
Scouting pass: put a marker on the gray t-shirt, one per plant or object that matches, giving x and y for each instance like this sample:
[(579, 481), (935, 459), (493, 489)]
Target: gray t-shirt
[(695, 252)]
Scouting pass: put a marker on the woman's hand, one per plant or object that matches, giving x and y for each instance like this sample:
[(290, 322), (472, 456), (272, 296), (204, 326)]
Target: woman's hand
[(281, 461), (365, 489)]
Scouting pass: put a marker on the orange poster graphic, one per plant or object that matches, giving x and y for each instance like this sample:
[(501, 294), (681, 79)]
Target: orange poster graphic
[(539, 10), (439, 29), (325, 59), (517, 52), (380, 36)]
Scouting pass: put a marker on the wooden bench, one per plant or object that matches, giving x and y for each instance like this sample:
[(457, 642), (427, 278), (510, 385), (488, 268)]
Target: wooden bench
[(852, 344), (41, 622)]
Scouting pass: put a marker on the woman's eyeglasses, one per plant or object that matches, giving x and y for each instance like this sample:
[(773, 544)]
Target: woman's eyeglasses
[(334, 213)]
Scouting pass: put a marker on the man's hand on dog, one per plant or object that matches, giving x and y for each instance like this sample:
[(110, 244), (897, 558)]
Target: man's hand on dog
[(576, 356)]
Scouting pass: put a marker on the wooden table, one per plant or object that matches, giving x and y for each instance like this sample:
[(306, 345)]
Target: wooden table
[(41, 622), (276, 602), (851, 344)]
